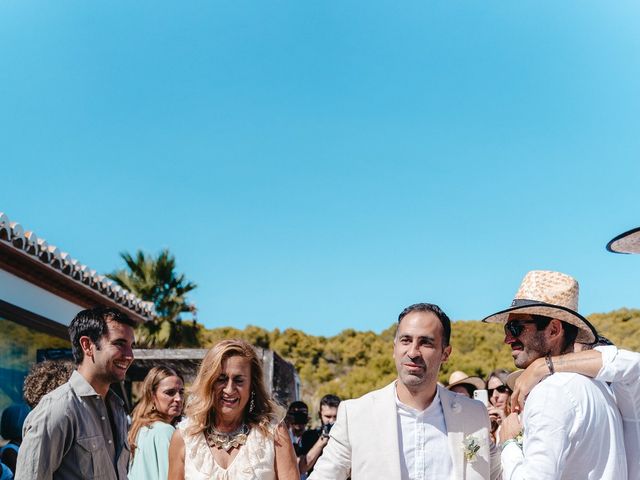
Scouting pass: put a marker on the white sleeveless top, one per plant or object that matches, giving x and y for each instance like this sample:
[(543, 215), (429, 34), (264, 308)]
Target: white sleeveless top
[(254, 461)]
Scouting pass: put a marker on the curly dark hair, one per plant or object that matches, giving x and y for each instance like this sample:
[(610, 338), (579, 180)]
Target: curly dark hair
[(45, 377)]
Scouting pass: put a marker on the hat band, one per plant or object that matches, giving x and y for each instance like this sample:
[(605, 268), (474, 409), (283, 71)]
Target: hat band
[(523, 302)]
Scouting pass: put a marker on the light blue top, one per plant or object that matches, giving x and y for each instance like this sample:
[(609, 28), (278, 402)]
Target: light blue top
[(151, 457)]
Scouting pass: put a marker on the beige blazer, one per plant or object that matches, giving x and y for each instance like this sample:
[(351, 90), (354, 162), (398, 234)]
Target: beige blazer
[(364, 440)]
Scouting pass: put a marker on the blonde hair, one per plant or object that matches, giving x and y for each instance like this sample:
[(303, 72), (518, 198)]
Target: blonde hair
[(201, 408), (145, 413)]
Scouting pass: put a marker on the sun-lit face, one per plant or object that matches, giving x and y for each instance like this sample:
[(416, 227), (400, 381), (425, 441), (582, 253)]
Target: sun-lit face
[(232, 389), (497, 398), (529, 345), (328, 414), (112, 355), (417, 350), (169, 398)]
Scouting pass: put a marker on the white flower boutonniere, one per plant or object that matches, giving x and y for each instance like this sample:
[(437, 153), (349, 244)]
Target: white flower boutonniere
[(470, 445)]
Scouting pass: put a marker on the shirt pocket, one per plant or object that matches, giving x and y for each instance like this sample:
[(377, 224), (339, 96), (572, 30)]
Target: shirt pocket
[(91, 455)]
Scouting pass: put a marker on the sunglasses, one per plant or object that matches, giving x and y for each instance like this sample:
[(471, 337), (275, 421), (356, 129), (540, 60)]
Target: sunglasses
[(500, 389), (516, 327)]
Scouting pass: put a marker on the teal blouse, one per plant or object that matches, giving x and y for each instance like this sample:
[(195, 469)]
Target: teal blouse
[(151, 458)]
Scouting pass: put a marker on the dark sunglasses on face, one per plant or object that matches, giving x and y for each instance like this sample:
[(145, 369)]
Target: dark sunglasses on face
[(516, 327), (500, 389)]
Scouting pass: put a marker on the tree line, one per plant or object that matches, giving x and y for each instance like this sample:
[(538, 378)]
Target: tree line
[(348, 364)]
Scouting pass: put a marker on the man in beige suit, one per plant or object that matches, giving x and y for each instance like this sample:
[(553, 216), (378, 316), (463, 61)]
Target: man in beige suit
[(412, 429)]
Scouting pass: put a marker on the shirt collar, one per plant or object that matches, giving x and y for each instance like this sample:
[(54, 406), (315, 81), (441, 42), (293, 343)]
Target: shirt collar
[(84, 388), (433, 408)]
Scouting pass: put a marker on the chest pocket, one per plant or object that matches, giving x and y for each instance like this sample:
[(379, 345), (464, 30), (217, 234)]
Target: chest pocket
[(93, 460)]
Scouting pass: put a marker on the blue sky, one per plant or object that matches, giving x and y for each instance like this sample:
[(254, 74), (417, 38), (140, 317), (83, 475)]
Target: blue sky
[(321, 165)]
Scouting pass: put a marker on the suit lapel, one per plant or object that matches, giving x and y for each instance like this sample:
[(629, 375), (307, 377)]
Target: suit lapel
[(452, 410), (386, 418)]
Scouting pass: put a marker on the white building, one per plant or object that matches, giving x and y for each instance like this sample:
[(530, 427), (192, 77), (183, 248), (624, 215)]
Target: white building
[(41, 290)]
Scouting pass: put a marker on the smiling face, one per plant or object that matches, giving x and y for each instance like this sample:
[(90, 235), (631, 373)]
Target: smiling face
[(168, 398), (530, 344), (418, 350), (232, 389), (109, 359)]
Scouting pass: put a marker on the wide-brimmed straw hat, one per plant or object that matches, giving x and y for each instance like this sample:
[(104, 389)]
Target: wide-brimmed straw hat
[(551, 294), (460, 378), (627, 242)]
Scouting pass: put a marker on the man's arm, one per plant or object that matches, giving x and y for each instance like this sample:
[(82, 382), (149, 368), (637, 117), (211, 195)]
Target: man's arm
[(46, 438), (587, 363), (309, 459), (335, 462)]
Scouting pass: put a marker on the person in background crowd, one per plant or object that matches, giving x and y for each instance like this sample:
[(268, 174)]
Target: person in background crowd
[(152, 424), (463, 384), (499, 399), (230, 430), (568, 417), (297, 419), (314, 441), (412, 428), (79, 430), (11, 429), (45, 377)]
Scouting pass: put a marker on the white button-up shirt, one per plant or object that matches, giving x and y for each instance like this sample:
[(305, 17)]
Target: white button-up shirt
[(572, 430), (423, 442), (622, 368)]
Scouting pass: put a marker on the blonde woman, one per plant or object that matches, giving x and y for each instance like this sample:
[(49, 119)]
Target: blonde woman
[(152, 424), (230, 430)]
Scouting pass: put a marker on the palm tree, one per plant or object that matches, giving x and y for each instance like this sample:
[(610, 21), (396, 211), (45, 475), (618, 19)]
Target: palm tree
[(155, 280)]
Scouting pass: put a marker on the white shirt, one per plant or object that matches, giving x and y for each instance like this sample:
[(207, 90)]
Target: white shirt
[(572, 430), (423, 442), (622, 368)]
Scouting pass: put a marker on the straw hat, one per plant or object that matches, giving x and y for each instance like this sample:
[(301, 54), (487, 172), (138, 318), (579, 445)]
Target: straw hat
[(627, 242), (460, 378), (551, 294)]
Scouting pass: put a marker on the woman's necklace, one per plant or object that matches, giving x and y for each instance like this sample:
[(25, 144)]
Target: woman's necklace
[(227, 440)]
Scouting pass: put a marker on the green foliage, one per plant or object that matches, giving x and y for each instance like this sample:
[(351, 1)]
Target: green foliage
[(353, 363), (155, 280)]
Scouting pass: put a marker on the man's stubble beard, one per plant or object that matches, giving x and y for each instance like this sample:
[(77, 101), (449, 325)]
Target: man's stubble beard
[(537, 347)]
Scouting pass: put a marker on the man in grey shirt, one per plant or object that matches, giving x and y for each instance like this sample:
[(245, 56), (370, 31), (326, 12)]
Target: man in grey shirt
[(79, 430)]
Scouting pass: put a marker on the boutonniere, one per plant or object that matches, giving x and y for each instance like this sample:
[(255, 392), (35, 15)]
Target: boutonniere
[(470, 445)]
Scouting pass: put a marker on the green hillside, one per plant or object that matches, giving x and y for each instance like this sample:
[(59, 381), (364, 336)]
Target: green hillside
[(353, 363)]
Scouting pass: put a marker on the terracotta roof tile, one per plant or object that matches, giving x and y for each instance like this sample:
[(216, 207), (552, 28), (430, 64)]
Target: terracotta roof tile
[(12, 234)]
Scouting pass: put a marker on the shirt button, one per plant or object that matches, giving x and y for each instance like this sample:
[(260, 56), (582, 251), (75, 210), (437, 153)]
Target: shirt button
[(110, 442), (102, 418)]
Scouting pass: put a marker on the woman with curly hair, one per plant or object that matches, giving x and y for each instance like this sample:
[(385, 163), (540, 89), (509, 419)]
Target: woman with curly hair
[(45, 377), (230, 430), (152, 424)]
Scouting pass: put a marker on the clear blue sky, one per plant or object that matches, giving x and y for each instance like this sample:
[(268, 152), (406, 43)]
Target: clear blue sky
[(321, 165)]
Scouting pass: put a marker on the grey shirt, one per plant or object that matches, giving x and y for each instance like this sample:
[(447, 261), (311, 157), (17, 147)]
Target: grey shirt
[(69, 436)]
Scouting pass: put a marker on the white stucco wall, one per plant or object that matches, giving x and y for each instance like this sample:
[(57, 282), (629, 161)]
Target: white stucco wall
[(23, 294)]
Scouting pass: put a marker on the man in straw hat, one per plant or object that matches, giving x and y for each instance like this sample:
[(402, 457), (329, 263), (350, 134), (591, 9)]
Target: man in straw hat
[(412, 428), (568, 417), (606, 363)]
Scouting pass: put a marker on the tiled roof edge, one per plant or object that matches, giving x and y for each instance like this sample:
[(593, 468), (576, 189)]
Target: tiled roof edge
[(12, 233)]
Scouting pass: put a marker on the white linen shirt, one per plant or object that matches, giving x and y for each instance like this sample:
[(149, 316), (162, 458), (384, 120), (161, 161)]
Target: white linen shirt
[(622, 368), (572, 430), (423, 441)]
